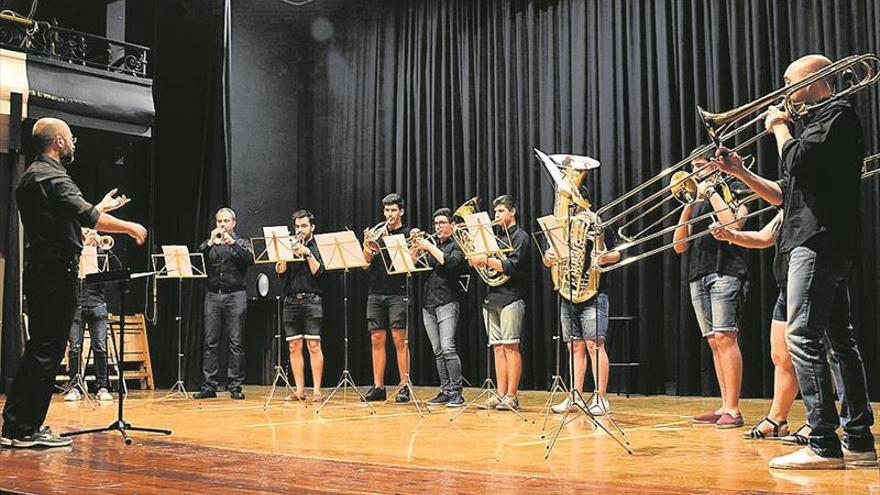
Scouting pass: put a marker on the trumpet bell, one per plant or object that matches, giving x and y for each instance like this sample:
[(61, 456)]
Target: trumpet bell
[(467, 208)]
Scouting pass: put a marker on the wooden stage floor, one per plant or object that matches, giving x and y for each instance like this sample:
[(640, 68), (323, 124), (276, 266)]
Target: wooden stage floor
[(229, 447)]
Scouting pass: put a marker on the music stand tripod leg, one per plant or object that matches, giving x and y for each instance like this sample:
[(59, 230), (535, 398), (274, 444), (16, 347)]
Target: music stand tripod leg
[(279, 368)]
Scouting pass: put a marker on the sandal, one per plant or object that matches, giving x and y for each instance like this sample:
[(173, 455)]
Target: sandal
[(799, 437), (292, 397), (317, 397), (779, 430)]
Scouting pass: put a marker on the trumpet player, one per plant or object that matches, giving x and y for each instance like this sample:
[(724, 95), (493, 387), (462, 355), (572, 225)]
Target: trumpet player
[(228, 257), (819, 193), (717, 275), (386, 302), (303, 312), (440, 305), (504, 308), (91, 312)]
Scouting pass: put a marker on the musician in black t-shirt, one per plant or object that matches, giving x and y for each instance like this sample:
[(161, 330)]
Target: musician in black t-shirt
[(717, 274), (303, 311), (386, 302)]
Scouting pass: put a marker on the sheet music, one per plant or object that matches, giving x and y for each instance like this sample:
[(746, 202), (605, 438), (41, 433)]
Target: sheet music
[(279, 244), (480, 227), (399, 253), (554, 233), (88, 261), (177, 263)]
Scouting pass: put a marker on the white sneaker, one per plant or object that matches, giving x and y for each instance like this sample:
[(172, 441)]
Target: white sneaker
[(854, 459), (806, 458), (567, 405), (599, 406), (103, 395), (73, 396)]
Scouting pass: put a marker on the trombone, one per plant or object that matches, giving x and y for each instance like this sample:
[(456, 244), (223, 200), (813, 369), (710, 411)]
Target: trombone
[(856, 71), (866, 174)]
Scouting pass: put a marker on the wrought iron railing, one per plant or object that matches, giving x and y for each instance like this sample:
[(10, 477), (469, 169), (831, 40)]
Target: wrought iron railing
[(43, 38)]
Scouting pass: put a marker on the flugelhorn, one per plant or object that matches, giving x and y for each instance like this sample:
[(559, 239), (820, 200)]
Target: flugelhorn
[(374, 234)]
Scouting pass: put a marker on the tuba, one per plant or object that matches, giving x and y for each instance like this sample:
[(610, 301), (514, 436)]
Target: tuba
[(582, 232), (465, 241)]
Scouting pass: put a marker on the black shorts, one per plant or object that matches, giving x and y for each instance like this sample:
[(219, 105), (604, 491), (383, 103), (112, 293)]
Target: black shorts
[(302, 316), (384, 312)]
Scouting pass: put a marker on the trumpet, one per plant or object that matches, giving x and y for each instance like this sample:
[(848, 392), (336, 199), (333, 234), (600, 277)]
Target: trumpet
[(375, 232), (217, 236), (104, 242)]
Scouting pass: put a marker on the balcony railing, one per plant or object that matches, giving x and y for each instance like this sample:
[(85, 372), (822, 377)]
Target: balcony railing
[(48, 40)]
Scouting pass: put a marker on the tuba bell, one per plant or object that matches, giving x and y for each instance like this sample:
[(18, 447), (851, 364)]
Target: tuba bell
[(465, 241)]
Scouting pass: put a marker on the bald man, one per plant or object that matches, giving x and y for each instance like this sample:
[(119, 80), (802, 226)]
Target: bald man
[(52, 210), (819, 193)]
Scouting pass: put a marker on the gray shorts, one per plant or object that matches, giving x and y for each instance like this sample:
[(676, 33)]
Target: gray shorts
[(716, 301), (590, 319), (504, 325)]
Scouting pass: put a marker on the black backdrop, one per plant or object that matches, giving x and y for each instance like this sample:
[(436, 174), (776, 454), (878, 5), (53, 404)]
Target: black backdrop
[(335, 104)]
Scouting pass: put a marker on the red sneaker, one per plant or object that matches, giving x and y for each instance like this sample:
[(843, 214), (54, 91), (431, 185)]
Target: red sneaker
[(709, 418), (727, 421)]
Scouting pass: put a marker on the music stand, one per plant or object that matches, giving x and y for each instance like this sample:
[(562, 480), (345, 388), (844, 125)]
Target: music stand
[(550, 229), (400, 261), (176, 262), (121, 277), (342, 251), (278, 248), (479, 228)]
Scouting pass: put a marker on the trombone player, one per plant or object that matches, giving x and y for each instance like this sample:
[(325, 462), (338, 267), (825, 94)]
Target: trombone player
[(717, 275), (819, 193)]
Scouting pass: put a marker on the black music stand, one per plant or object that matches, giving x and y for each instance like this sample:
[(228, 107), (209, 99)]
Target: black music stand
[(121, 278)]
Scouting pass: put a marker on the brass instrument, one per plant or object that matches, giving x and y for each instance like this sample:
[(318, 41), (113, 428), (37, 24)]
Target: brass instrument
[(462, 237), (585, 241), (104, 242), (741, 197), (374, 234), (856, 72), (217, 237)]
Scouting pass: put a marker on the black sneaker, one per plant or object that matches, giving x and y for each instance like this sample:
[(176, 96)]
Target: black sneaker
[(5, 440), (375, 394), (41, 438), (439, 399), (236, 394), (455, 400), (402, 396), (205, 394)]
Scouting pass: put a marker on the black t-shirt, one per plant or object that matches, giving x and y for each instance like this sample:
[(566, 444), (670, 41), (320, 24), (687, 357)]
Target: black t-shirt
[(821, 182), (707, 255), (299, 279), (380, 282)]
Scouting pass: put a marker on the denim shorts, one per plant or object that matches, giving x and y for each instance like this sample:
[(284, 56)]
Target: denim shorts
[(302, 316), (716, 300), (591, 319), (504, 325), (780, 313), (386, 312)]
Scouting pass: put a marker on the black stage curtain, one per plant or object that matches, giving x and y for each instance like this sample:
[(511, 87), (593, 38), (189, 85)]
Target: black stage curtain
[(190, 162), (443, 100), (12, 345)]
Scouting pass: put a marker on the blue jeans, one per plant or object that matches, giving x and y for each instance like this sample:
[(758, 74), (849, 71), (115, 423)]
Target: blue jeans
[(440, 324), (96, 319), (716, 299), (224, 313), (818, 312), (591, 319)]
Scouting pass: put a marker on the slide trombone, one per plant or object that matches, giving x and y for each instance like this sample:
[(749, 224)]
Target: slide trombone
[(866, 174)]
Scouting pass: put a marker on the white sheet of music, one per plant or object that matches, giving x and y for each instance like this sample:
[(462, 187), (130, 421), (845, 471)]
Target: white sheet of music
[(480, 227), (177, 261), (279, 244), (88, 261), (399, 253), (555, 236)]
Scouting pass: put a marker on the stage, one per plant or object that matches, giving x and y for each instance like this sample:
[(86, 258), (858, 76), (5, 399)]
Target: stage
[(237, 447)]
